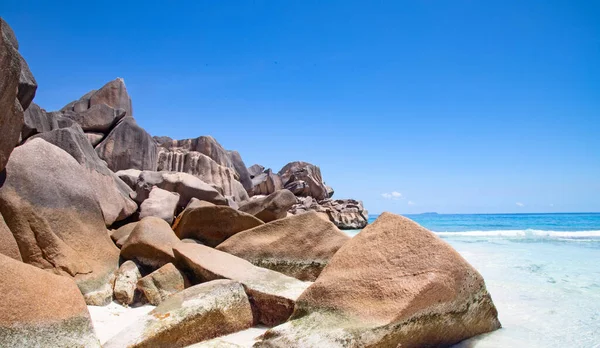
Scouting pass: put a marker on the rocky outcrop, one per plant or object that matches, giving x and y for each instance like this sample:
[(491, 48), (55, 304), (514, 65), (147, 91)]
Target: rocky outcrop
[(196, 314), (240, 168), (272, 207), (271, 294), (394, 284), (160, 203), (150, 243), (185, 185), (128, 146), (120, 235), (266, 183), (37, 120), (110, 191), (113, 94), (40, 309), (211, 225), (162, 283), (299, 246), (255, 170), (303, 179), (8, 244), (51, 208), (126, 282), (344, 213), (98, 118)]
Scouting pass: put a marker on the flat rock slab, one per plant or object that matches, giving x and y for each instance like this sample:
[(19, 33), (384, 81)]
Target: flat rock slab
[(196, 314), (272, 294)]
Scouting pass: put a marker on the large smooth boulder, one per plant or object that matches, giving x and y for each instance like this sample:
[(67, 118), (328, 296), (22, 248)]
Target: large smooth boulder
[(304, 179), (270, 208), (299, 246), (40, 309), (204, 167), (195, 314), (11, 110), (162, 283), (394, 284), (126, 282), (213, 224), (37, 120), (128, 146), (266, 183), (8, 244), (271, 294), (51, 208), (160, 203), (255, 170), (240, 168), (150, 243), (113, 94), (110, 191), (185, 185), (98, 118), (120, 235)]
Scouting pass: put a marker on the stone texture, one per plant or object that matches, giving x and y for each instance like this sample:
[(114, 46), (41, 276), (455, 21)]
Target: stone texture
[(110, 191), (303, 179), (205, 145), (299, 246), (11, 111), (255, 170), (8, 244), (94, 138), (186, 185), (271, 294), (162, 283), (128, 146), (120, 235), (196, 314), (27, 85), (150, 243), (240, 168), (344, 213), (126, 282), (113, 94), (270, 208), (98, 118), (160, 203), (394, 284), (40, 309), (52, 210), (266, 183), (37, 120), (213, 224)]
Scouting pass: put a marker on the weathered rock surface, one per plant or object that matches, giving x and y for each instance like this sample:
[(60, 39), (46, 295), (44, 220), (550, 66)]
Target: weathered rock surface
[(11, 110), (120, 235), (266, 183), (128, 146), (299, 246), (271, 207), (52, 210), (204, 167), (344, 213), (162, 283), (150, 243), (271, 294), (205, 145), (240, 168), (8, 244), (40, 309), (98, 118), (303, 179), (394, 284), (196, 314), (110, 191), (213, 224), (255, 170), (126, 282), (186, 185), (37, 120), (113, 94), (94, 138), (161, 204)]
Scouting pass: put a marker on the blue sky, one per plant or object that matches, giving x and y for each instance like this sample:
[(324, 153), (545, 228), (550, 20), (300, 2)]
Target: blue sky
[(411, 106)]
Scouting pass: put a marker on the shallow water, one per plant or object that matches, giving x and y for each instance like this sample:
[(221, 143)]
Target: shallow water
[(542, 270)]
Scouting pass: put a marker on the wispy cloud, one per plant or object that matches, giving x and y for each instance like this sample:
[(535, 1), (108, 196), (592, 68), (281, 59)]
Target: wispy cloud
[(392, 195), (519, 204), (411, 203)]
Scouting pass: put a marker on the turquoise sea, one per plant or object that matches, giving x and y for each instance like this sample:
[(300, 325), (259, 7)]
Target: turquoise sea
[(542, 270)]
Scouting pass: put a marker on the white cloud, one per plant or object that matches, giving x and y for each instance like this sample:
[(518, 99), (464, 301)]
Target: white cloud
[(411, 203), (519, 204), (392, 195)]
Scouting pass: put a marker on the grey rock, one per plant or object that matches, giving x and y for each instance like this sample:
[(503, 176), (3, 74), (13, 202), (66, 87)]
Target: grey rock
[(303, 179), (255, 170), (270, 208), (126, 282), (113, 94), (160, 203), (98, 118)]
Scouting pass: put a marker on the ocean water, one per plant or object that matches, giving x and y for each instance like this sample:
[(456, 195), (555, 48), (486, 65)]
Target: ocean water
[(542, 271)]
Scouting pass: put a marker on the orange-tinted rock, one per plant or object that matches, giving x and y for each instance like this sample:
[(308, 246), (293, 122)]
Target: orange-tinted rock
[(394, 284), (8, 244), (162, 283), (271, 207), (150, 243)]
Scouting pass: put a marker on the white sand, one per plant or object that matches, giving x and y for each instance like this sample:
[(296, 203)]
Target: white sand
[(245, 338), (110, 320)]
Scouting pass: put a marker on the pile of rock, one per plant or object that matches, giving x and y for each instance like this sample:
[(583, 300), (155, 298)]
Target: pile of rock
[(185, 226)]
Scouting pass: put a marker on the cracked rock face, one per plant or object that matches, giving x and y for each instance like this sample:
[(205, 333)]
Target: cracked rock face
[(394, 284)]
